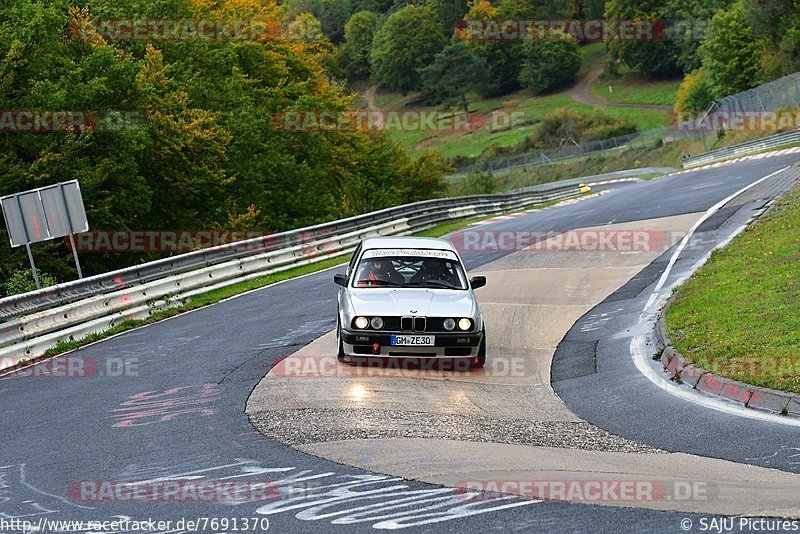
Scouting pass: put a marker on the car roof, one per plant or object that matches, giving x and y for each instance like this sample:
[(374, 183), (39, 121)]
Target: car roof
[(407, 242)]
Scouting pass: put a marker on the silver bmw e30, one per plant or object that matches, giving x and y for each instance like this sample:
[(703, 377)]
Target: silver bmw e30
[(409, 297)]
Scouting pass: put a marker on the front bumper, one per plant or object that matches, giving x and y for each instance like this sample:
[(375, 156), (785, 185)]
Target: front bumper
[(446, 344)]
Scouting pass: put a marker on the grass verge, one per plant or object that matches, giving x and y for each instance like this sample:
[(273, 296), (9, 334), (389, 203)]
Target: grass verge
[(633, 88), (739, 315)]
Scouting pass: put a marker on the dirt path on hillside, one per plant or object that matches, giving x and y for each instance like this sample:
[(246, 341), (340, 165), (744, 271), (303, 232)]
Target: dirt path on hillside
[(369, 96), (581, 92)]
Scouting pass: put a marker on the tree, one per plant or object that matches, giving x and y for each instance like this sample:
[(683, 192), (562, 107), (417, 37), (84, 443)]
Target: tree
[(207, 151), (405, 43), (333, 15), (686, 21), (305, 32), (454, 73), (538, 10), (503, 58), (771, 18), (655, 58), (448, 13), (592, 9), (730, 52), (777, 22), (547, 65), (305, 27), (359, 32), (695, 92)]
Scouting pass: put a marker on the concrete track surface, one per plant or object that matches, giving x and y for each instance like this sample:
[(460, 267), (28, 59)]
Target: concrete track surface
[(560, 421)]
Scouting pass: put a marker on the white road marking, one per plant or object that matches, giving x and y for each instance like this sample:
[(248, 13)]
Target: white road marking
[(639, 354), (638, 347), (711, 211)]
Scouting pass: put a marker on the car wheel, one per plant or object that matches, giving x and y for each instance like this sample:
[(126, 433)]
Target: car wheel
[(340, 346), (480, 360)]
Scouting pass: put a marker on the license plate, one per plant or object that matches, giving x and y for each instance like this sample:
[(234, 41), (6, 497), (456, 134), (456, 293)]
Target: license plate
[(424, 341)]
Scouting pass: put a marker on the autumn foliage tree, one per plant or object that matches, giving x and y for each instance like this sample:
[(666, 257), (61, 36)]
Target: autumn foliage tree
[(406, 43), (204, 144)]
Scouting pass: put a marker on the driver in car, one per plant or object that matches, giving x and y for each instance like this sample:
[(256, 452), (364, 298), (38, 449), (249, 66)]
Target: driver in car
[(434, 270)]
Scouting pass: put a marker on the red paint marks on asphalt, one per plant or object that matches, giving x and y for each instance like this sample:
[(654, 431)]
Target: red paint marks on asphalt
[(151, 407)]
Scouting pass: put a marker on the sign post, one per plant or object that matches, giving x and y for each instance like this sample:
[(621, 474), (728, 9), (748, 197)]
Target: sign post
[(45, 213), (71, 234), (33, 266)]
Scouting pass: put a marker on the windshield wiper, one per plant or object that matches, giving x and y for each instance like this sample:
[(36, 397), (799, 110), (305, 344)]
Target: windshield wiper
[(435, 283), (378, 283)]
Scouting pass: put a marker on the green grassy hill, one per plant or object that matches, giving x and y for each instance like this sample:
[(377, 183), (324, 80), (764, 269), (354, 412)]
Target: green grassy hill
[(630, 92)]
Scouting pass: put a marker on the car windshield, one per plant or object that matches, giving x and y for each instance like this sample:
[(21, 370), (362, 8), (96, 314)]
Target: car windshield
[(408, 272)]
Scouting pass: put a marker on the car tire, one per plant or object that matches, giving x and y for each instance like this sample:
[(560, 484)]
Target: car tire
[(480, 360), (339, 345)]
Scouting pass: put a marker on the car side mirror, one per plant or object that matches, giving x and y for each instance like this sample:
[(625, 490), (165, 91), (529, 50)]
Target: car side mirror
[(477, 281), (340, 279)]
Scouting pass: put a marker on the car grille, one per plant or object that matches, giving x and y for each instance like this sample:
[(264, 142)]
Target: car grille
[(413, 324), (409, 323)]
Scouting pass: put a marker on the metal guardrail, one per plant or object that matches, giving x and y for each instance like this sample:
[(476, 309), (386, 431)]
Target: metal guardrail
[(37, 320), (743, 149), (42, 299)]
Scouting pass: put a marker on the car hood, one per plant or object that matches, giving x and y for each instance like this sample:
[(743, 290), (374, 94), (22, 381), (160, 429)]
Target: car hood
[(426, 302)]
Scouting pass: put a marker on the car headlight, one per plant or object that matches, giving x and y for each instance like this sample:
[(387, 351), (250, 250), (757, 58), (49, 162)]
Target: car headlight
[(361, 322), (376, 323), (465, 324), (449, 324)]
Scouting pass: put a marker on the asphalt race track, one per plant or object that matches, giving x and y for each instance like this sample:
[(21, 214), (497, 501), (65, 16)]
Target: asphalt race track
[(167, 403)]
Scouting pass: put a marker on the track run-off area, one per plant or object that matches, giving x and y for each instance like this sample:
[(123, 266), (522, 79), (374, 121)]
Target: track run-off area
[(563, 428)]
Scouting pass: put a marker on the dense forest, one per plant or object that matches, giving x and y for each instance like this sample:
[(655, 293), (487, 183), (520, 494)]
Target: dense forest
[(199, 147), (206, 152)]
